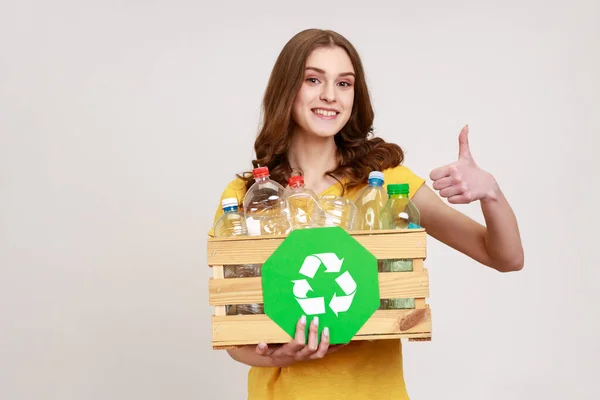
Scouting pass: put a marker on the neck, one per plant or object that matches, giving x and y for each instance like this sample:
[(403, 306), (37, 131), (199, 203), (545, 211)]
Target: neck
[(314, 156)]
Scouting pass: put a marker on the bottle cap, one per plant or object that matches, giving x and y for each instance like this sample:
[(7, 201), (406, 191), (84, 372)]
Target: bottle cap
[(296, 181), (398, 188), (260, 172), (376, 175), (229, 202)]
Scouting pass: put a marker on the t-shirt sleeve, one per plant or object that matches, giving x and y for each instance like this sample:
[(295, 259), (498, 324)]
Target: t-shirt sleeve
[(402, 174), (235, 189)]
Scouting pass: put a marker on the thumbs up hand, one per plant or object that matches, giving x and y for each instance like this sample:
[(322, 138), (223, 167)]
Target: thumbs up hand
[(463, 182)]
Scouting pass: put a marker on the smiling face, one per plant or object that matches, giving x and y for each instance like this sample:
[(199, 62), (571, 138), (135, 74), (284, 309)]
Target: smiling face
[(324, 103)]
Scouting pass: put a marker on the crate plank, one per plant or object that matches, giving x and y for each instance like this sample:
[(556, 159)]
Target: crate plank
[(402, 243), (412, 337), (219, 275), (249, 290), (252, 329), (418, 265)]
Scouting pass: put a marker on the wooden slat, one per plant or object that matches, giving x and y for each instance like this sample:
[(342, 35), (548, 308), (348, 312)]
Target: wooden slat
[(420, 339), (394, 285), (219, 275), (420, 303), (407, 243), (409, 336), (412, 337), (418, 265), (249, 290), (252, 329), (389, 244)]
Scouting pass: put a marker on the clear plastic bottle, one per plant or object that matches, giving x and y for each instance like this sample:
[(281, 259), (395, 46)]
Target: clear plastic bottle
[(336, 211), (233, 223), (265, 206), (399, 212), (369, 203), (303, 204)]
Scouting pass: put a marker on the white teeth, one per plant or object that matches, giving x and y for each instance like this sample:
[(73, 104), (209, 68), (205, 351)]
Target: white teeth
[(325, 112)]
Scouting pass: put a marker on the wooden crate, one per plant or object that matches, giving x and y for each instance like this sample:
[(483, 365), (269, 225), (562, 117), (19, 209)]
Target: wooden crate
[(235, 330)]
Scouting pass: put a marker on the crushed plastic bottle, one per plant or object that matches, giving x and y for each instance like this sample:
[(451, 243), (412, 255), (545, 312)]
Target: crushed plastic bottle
[(337, 211), (265, 206), (303, 204)]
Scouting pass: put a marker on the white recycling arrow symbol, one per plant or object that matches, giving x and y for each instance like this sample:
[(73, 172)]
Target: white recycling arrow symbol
[(340, 304), (316, 305)]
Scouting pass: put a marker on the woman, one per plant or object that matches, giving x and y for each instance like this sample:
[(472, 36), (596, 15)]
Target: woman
[(318, 119)]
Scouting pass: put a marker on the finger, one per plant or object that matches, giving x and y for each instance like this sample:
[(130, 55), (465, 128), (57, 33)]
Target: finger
[(297, 343), (441, 172), (451, 191), (444, 183), (300, 335), (460, 199), (312, 339), (323, 346), (313, 334), (263, 349), (463, 143)]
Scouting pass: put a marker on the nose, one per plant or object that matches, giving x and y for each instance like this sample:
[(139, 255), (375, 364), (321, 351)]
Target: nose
[(328, 92)]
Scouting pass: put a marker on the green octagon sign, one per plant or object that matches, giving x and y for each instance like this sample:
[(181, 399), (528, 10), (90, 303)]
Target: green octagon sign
[(321, 272)]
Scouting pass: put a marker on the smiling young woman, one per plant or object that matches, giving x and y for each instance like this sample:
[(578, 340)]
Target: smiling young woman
[(318, 118)]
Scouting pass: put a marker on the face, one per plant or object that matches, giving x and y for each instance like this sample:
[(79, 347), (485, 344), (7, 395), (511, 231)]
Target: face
[(324, 103)]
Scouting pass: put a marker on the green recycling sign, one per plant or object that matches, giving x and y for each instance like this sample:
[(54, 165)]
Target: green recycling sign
[(321, 272)]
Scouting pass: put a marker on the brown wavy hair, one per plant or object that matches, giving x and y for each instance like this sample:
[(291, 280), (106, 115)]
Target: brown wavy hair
[(358, 152)]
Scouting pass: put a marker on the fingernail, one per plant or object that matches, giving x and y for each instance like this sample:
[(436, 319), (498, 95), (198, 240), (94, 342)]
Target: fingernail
[(303, 319), (262, 345), (326, 332), (315, 321)]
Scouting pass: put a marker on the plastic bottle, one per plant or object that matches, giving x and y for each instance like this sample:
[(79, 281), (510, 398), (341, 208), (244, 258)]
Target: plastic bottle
[(233, 223), (303, 204), (265, 206), (399, 212), (369, 203), (336, 211)]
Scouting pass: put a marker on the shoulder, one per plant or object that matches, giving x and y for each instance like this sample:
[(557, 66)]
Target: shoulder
[(235, 188), (403, 174)]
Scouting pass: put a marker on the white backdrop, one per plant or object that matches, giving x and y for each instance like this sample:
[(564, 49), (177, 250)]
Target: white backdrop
[(122, 121)]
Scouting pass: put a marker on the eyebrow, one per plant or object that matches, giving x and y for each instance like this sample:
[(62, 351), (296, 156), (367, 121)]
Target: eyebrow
[(319, 70)]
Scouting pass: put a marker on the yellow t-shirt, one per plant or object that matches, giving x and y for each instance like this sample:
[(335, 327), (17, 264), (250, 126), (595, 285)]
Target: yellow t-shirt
[(361, 370)]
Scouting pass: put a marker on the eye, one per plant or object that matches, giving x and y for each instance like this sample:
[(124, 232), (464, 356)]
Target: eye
[(345, 84), (312, 80)]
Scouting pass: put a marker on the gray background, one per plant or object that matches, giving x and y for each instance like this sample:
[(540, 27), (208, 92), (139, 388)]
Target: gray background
[(122, 121)]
